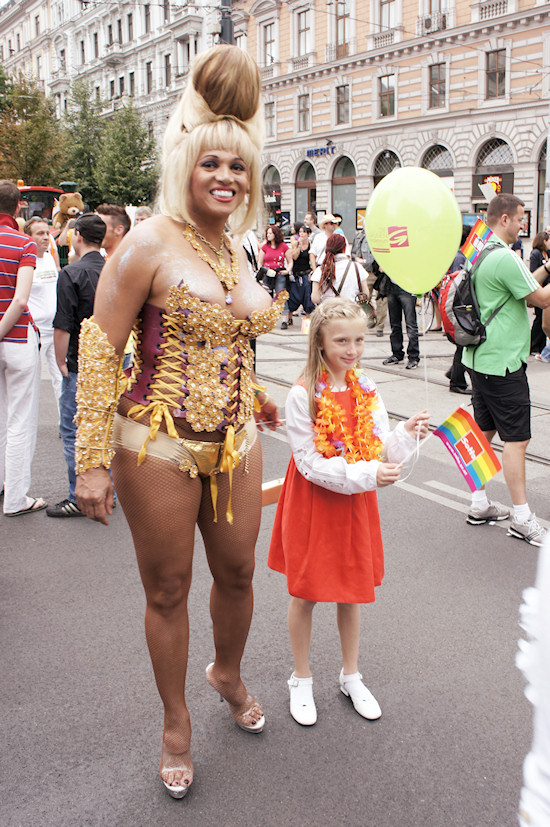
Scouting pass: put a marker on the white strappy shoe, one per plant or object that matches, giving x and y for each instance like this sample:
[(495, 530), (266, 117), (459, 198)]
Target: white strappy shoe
[(302, 705), (363, 701)]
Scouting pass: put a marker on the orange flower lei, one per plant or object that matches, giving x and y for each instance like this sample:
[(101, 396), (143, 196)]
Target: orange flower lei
[(334, 437)]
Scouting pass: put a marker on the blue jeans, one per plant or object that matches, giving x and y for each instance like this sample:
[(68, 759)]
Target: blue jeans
[(67, 428), (402, 303)]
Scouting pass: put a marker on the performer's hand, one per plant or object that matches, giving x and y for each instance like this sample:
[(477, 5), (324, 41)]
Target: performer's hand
[(268, 415), (418, 424), (94, 494), (387, 474)]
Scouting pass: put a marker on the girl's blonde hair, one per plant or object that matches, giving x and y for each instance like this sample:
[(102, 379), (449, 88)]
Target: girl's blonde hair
[(219, 109), (327, 311)]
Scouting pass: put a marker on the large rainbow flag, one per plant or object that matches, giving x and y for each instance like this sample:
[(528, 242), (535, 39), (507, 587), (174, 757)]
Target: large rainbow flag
[(469, 448), (476, 241)]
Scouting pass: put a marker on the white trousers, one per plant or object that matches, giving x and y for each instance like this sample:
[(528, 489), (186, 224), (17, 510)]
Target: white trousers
[(47, 357), (19, 390)]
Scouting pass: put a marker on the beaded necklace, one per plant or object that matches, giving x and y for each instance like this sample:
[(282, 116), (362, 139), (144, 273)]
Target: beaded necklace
[(333, 435), (228, 274)]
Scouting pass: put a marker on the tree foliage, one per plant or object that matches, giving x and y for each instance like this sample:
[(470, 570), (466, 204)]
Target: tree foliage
[(83, 130), (31, 139), (126, 170)]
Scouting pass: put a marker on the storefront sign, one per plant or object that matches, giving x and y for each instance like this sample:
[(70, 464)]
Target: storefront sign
[(321, 150), (495, 181)]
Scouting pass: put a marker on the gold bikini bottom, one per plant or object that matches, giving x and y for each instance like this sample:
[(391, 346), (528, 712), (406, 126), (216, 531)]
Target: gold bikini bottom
[(202, 459)]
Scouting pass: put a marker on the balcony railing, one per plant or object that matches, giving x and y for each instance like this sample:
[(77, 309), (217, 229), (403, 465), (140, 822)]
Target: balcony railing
[(493, 8), (301, 62), (339, 51), (383, 39), (435, 22)]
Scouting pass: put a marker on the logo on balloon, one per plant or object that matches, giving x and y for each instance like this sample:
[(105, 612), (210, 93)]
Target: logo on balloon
[(399, 236)]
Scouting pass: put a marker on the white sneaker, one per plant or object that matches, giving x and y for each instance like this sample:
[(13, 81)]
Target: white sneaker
[(363, 701), (531, 531), (490, 513), (302, 705)]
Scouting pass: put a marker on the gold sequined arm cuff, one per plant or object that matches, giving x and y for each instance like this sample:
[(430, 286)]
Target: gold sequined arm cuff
[(100, 383)]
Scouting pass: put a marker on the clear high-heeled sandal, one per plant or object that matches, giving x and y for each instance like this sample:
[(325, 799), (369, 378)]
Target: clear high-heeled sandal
[(240, 715)]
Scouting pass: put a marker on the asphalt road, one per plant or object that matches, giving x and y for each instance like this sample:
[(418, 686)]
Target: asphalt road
[(81, 718)]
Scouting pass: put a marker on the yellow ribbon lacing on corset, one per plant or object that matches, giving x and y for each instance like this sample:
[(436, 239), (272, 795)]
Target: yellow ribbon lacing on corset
[(166, 389), (230, 457)]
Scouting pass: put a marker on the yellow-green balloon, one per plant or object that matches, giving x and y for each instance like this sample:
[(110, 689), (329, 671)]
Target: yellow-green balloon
[(413, 226)]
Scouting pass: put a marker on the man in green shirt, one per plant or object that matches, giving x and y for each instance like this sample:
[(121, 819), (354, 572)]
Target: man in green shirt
[(498, 366)]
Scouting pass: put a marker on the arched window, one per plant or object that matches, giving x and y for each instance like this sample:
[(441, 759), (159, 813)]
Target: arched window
[(306, 190), (343, 194), (438, 159), (386, 162), (494, 166)]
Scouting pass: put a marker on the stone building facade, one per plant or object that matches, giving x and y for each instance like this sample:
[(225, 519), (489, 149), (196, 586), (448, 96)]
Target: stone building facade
[(355, 88)]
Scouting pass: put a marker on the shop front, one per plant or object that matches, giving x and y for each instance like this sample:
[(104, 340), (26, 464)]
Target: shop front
[(494, 166), (344, 194), (306, 191), (272, 194)]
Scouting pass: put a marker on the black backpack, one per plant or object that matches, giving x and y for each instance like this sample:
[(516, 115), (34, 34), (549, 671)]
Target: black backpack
[(459, 308)]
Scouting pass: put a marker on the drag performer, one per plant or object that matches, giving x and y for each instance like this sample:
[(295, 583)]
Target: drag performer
[(180, 430), (326, 537)]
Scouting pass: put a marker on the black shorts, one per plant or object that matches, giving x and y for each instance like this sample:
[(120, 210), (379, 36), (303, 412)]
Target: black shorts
[(502, 404)]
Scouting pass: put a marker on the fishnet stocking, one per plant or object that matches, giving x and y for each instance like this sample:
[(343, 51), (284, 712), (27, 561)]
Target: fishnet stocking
[(162, 506)]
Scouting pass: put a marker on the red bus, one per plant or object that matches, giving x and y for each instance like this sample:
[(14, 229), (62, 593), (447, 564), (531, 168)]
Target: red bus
[(38, 201)]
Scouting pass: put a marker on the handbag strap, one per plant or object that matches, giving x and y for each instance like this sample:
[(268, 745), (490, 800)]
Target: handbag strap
[(358, 279), (338, 290)]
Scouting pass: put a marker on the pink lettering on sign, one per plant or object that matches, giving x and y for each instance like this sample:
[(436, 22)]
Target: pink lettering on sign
[(399, 236)]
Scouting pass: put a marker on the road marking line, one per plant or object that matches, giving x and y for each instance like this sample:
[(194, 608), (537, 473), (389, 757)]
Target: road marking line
[(275, 435), (448, 489)]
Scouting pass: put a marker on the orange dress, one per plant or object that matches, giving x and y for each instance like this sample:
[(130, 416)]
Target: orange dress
[(329, 545)]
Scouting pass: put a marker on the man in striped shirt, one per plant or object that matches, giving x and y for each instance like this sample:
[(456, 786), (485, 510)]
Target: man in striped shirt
[(19, 362)]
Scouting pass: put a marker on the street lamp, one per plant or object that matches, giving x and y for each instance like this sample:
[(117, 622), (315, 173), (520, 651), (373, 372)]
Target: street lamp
[(226, 34)]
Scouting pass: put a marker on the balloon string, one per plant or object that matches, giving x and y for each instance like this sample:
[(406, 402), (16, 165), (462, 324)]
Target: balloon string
[(415, 453)]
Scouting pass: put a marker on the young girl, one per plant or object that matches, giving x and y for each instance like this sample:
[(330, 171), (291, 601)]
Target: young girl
[(326, 537)]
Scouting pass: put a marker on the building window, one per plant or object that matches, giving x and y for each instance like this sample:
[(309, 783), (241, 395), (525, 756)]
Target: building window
[(95, 41), (131, 84), (109, 35), (121, 86), (1, 52), (18, 41), (167, 70), (303, 113), (10, 50), (130, 26), (303, 32), (166, 11), (437, 85), (119, 30), (82, 52), (387, 14), (111, 89), (147, 16), (386, 91), (39, 67), (342, 28), (149, 77), (150, 130), (37, 25), (342, 104), (240, 41), (496, 73), (270, 120), (97, 94), (269, 43), (62, 61)]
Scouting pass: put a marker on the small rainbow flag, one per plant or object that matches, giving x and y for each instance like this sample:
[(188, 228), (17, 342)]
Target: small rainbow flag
[(468, 447), (476, 241)]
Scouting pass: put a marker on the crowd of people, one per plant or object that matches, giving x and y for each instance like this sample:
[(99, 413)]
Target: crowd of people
[(159, 404)]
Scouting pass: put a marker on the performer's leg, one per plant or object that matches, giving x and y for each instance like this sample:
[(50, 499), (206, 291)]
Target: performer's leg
[(230, 553), (161, 505)]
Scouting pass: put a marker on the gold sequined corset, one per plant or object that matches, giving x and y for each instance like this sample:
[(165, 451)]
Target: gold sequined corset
[(194, 361)]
